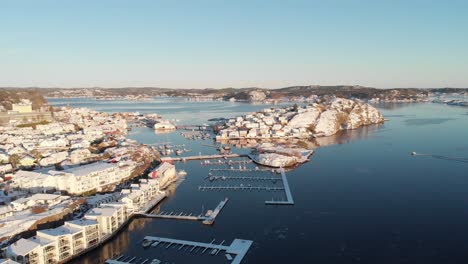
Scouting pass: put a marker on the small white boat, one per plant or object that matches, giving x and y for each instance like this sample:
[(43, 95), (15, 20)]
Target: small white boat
[(146, 243), (182, 173)]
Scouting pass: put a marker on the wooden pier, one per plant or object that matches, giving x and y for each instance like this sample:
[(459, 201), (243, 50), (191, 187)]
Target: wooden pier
[(238, 247), (207, 219), (203, 157)]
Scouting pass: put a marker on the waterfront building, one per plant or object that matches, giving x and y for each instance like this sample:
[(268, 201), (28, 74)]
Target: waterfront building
[(91, 230), (25, 251), (109, 217), (164, 173)]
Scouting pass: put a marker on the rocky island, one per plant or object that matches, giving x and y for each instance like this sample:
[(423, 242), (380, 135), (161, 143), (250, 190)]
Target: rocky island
[(319, 119), (314, 120)]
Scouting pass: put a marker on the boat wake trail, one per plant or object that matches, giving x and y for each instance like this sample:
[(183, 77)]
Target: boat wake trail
[(459, 159)]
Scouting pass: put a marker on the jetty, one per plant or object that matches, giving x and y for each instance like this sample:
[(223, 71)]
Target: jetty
[(239, 188), (238, 247), (207, 219), (122, 259), (289, 199), (247, 178), (202, 157)]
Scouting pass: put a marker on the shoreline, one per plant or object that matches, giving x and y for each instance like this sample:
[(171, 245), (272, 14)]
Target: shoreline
[(151, 204)]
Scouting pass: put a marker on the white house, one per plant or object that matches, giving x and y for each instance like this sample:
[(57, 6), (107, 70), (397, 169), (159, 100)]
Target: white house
[(164, 173)]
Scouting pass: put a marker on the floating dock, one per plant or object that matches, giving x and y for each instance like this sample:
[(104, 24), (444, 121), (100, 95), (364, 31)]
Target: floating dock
[(289, 198), (203, 157), (238, 247), (227, 178), (208, 219), (240, 188), (239, 170), (122, 259)]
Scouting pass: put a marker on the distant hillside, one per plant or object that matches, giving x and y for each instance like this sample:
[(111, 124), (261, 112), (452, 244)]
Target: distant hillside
[(9, 96), (239, 93), (346, 91)]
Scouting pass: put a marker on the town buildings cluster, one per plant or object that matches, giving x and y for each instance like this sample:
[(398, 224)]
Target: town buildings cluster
[(75, 237), (49, 169), (269, 123), (66, 139)]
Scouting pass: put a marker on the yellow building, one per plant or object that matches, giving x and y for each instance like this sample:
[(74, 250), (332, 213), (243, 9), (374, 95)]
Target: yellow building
[(22, 107)]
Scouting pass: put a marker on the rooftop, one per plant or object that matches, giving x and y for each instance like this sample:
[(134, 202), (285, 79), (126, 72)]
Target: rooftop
[(44, 196), (23, 246), (89, 168), (83, 222), (41, 240), (105, 211), (60, 231)]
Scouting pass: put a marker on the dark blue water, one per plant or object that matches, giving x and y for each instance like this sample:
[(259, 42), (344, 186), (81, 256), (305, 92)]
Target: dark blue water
[(361, 199)]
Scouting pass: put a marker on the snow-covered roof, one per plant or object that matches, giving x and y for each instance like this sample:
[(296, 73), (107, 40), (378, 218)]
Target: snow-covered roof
[(44, 196), (41, 240), (5, 209), (8, 261), (83, 222), (105, 211), (89, 168), (60, 231), (23, 246)]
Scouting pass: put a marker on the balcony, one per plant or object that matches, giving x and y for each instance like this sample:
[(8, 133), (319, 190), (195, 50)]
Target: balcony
[(78, 236), (65, 255), (79, 249), (64, 249), (49, 249)]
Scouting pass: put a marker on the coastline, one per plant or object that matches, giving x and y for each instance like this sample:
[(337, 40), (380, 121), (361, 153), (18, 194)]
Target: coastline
[(151, 204)]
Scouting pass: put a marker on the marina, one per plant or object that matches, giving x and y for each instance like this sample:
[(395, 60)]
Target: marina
[(239, 247), (311, 185), (289, 199)]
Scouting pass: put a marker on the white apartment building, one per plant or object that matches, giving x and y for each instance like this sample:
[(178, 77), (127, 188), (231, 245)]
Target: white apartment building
[(91, 230), (56, 245), (74, 180), (109, 216)]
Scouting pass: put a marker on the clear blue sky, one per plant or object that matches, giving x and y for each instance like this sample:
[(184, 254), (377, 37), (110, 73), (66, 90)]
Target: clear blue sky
[(199, 44)]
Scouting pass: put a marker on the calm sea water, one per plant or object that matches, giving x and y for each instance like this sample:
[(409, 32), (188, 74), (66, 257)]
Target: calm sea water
[(361, 199)]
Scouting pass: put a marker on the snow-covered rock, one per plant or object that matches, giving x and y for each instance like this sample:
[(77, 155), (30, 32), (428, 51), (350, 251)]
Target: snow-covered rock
[(255, 96), (271, 155), (317, 120), (304, 119), (275, 160), (327, 124)]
